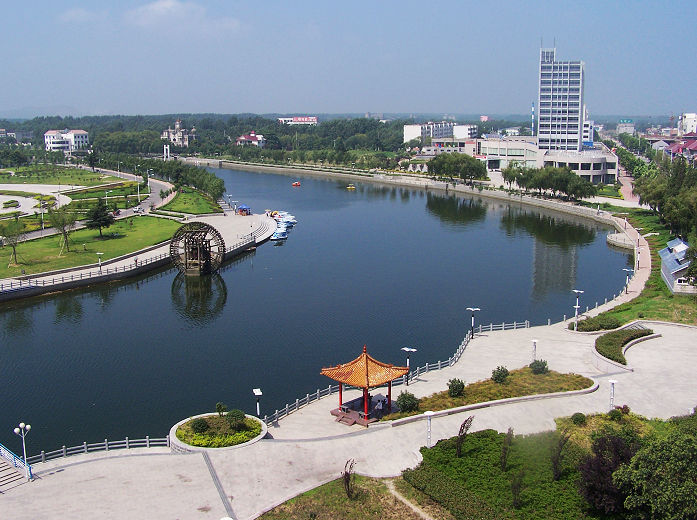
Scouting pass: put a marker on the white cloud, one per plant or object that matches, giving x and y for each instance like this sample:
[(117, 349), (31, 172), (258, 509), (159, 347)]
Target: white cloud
[(78, 15), (176, 14)]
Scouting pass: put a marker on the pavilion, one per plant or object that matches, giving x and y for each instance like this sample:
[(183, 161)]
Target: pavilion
[(363, 372)]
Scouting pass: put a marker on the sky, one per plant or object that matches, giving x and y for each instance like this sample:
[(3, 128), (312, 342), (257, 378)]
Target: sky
[(313, 57)]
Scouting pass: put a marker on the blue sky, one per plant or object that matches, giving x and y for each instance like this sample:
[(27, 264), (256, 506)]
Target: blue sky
[(227, 56)]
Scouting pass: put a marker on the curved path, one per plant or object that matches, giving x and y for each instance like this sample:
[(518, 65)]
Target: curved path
[(309, 448)]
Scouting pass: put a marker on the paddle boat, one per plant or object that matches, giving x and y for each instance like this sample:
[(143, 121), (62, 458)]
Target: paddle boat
[(350, 187), (279, 235), (296, 184)]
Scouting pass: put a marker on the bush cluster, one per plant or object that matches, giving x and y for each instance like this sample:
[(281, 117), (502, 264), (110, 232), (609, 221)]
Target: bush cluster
[(579, 419), (406, 402), (615, 415), (539, 366), (235, 419), (199, 425), (600, 322), (456, 387), (499, 375), (610, 345)]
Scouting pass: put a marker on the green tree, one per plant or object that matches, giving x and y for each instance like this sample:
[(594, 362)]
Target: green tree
[(92, 160), (661, 479), (63, 221), (99, 217), (13, 233)]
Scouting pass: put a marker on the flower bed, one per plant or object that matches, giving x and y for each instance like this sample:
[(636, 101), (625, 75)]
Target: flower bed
[(219, 433)]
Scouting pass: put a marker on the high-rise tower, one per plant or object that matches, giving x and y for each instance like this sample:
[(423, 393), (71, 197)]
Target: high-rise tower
[(560, 103)]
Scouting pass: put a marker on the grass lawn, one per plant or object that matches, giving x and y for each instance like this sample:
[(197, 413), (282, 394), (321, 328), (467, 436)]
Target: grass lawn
[(656, 302), (191, 201), (125, 188), (51, 174), (610, 191), (36, 256), (519, 383), (329, 502)]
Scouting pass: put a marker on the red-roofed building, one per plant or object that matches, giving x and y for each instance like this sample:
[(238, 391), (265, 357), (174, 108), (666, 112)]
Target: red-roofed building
[(252, 139)]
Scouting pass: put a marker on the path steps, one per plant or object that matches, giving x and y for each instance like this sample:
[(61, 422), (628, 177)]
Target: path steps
[(9, 476)]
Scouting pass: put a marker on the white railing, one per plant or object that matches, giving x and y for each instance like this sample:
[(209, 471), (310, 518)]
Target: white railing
[(107, 445)]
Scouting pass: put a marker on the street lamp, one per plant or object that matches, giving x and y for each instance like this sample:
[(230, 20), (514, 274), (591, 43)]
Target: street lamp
[(626, 284), (408, 350), (577, 306), (258, 394), (534, 349), (22, 431), (99, 258), (428, 415), (473, 309), (106, 195), (612, 382)]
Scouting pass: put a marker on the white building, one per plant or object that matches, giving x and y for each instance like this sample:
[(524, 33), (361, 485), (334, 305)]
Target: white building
[(298, 120), (560, 102), (687, 123), (626, 126), (179, 136), (66, 141), (251, 139), (439, 130)]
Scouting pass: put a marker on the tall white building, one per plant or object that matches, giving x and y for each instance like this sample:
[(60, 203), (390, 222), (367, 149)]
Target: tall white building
[(687, 123), (560, 103), (66, 141)]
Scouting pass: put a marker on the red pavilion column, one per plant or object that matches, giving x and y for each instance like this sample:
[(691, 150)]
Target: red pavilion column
[(389, 396), (365, 402), (341, 401)]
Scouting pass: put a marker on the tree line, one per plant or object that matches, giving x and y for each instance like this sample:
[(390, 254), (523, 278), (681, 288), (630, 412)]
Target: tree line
[(560, 181)]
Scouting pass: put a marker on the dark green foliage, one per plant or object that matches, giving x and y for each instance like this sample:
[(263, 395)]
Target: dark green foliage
[(661, 479), (600, 322), (99, 217), (199, 425), (499, 374), (455, 387), (596, 485), (235, 418), (610, 345), (506, 448), (517, 488), (220, 408), (615, 415), (457, 165), (406, 402), (539, 366), (579, 419), (557, 453)]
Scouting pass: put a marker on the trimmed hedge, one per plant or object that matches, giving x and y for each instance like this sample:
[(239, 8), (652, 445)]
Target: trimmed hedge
[(600, 322), (610, 345)]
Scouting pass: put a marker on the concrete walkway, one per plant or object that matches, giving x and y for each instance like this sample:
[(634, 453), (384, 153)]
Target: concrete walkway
[(309, 448)]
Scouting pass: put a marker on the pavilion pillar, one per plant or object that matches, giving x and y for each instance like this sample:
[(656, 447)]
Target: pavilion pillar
[(389, 397), (365, 401), (341, 401)]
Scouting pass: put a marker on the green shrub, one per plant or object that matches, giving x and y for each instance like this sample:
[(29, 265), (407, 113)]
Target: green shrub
[(615, 415), (539, 366), (456, 387), (610, 345), (600, 322), (199, 425), (406, 402), (579, 419), (220, 408), (499, 375), (235, 418)]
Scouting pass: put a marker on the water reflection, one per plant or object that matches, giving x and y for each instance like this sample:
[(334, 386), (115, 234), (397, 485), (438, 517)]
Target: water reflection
[(199, 300), (68, 308), (546, 228), (16, 321), (456, 210)]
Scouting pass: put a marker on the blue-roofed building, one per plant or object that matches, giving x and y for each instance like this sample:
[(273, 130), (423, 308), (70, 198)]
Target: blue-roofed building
[(674, 266)]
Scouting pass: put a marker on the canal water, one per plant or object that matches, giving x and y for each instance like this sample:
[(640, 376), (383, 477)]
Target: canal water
[(383, 266)]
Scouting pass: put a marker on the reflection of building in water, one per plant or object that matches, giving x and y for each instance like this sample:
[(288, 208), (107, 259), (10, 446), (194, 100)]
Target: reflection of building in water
[(554, 268)]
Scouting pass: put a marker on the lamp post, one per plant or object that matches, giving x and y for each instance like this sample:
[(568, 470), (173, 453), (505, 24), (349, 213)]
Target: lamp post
[(22, 431), (626, 284), (408, 350), (118, 166), (428, 415), (99, 258), (258, 394), (106, 196), (473, 309), (612, 392), (534, 349), (577, 306)]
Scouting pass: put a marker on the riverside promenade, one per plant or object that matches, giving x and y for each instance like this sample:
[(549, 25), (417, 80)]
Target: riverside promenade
[(308, 448)]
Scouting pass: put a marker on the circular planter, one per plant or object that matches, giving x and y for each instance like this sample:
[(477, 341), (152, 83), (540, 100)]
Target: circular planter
[(182, 447)]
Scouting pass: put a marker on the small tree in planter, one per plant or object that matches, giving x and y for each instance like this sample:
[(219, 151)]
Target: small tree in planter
[(456, 387), (220, 408), (235, 418), (499, 375)]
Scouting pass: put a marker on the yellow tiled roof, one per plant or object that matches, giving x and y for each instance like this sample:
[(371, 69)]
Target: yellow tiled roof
[(364, 372)]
